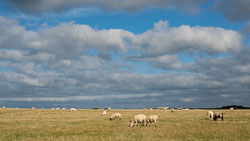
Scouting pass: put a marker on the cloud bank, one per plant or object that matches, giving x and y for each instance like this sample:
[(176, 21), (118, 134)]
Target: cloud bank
[(43, 6), (72, 61)]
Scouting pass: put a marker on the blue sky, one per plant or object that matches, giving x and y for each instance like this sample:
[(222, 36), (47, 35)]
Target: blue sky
[(124, 54)]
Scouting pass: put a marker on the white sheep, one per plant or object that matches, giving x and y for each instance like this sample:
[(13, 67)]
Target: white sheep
[(210, 114), (104, 112), (139, 118), (152, 119), (116, 115), (172, 110), (73, 109)]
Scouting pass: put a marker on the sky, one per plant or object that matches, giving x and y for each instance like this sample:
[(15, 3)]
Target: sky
[(124, 53)]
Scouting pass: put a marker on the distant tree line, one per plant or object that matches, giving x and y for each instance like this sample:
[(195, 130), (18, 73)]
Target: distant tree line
[(234, 106)]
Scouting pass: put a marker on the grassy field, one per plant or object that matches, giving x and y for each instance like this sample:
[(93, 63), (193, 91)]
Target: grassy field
[(91, 125)]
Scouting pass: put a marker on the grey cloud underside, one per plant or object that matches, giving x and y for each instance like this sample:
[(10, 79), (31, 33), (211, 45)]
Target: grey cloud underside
[(41, 6), (234, 10), (246, 30), (55, 65)]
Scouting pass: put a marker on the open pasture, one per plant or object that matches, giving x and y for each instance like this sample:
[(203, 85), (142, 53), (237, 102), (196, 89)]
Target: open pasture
[(91, 125)]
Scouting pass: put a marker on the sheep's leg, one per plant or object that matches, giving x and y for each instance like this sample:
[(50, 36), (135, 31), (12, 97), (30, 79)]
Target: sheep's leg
[(215, 118)]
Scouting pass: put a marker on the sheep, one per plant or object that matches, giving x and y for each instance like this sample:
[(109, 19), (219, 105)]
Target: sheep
[(210, 114), (104, 112), (57, 108), (152, 119), (214, 116), (139, 118), (218, 115), (73, 109), (172, 110), (116, 115), (63, 108), (231, 108)]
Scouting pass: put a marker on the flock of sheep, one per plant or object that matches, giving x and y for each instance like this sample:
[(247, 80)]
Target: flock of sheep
[(152, 119), (139, 118)]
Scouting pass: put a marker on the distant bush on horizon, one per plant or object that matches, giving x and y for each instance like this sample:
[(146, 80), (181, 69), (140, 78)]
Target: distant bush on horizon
[(235, 107)]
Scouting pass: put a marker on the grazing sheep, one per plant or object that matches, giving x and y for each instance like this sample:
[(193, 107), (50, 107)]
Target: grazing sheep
[(218, 115), (4, 107), (63, 108), (231, 108), (57, 108), (104, 112), (172, 110), (33, 108), (140, 118), (210, 114), (152, 119), (73, 109), (116, 115)]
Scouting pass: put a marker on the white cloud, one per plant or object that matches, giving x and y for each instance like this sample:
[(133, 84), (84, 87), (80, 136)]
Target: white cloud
[(81, 98), (25, 56), (69, 40), (13, 77), (187, 99), (186, 39)]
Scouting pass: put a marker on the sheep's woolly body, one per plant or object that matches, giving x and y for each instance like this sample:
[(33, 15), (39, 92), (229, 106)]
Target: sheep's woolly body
[(152, 119), (116, 115), (140, 118), (72, 109)]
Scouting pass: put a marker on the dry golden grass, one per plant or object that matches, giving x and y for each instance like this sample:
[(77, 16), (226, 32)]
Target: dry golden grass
[(91, 125)]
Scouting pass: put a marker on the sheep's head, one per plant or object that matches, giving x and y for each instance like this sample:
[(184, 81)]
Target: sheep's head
[(157, 116), (131, 123)]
